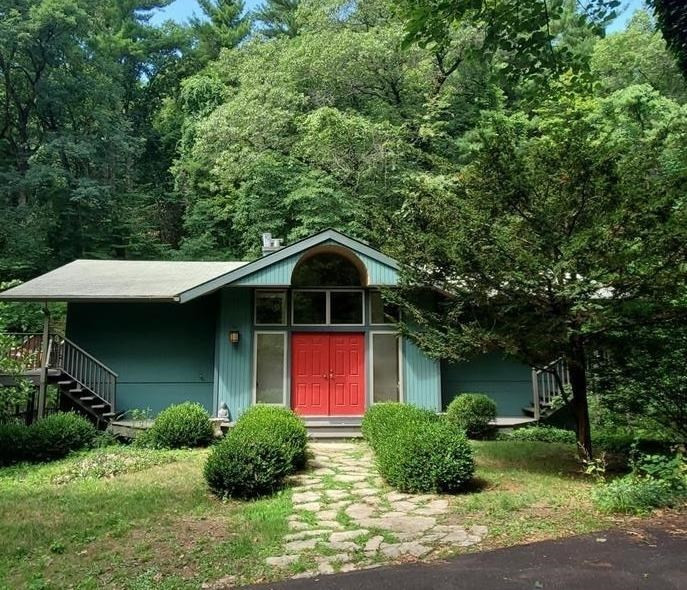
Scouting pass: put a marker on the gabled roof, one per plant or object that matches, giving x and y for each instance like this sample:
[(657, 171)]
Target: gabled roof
[(129, 280)]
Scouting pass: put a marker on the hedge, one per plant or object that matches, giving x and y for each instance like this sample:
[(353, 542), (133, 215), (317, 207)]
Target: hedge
[(473, 412), (282, 424), (266, 444), (416, 451), (185, 425), (52, 437)]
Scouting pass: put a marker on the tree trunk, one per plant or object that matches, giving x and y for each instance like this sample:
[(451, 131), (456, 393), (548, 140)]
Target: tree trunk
[(580, 407)]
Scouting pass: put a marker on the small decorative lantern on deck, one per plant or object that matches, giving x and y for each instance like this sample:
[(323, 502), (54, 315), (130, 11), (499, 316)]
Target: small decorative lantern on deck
[(223, 411), (234, 336)]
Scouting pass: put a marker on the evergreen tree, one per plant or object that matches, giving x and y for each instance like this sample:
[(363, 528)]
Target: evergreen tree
[(225, 25), (278, 18)]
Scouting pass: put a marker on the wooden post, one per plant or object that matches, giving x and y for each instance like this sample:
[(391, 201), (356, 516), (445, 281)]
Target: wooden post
[(45, 348), (535, 395)]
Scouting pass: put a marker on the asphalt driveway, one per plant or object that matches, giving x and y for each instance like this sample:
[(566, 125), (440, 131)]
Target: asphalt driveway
[(650, 556)]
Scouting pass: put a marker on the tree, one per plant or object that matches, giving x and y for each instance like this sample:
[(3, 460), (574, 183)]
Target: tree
[(278, 18), (562, 226), (672, 18), (225, 25)]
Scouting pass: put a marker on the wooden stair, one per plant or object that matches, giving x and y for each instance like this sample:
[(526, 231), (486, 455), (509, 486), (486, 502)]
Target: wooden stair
[(78, 397), (333, 428)]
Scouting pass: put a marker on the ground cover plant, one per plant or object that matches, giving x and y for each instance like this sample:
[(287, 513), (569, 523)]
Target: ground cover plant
[(416, 451)]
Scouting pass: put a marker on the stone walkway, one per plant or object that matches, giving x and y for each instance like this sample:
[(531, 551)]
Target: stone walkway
[(346, 518)]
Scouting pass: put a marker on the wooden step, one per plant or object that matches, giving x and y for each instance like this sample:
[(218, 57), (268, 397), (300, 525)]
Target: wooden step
[(108, 415), (98, 407), (76, 390), (87, 398), (65, 383)]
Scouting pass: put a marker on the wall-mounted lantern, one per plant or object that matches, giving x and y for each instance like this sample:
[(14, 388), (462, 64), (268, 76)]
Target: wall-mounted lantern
[(234, 336)]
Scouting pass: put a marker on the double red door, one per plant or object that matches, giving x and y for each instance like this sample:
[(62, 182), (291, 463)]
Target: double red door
[(328, 374)]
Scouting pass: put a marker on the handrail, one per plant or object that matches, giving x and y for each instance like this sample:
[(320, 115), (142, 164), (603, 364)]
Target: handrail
[(548, 382), (74, 361)]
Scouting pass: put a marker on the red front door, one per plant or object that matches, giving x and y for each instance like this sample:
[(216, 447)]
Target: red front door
[(328, 374)]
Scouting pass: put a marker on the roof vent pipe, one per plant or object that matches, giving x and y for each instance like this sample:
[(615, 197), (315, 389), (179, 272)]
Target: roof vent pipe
[(270, 244)]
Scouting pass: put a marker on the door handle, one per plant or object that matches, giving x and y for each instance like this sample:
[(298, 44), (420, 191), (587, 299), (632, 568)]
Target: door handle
[(324, 376)]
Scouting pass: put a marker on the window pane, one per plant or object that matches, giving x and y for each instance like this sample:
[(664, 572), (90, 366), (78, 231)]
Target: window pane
[(309, 307), (269, 370), (380, 311), (327, 269), (346, 308), (385, 367), (269, 308)]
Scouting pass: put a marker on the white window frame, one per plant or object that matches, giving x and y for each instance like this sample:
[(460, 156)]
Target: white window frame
[(371, 364), (284, 312), (328, 306), (285, 392), (369, 309)]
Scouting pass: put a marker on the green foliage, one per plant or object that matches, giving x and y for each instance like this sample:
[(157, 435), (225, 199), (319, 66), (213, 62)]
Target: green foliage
[(655, 482), (14, 442), (672, 19), (548, 434), (473, 413), (416, 451), (185, 425), (246, 466), (279, 424), (58, 434)]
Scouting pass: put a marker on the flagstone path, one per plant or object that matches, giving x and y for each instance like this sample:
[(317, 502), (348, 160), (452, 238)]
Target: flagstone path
[(345, 517)]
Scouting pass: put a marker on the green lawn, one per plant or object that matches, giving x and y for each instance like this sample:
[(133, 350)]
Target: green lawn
[(153, 524)]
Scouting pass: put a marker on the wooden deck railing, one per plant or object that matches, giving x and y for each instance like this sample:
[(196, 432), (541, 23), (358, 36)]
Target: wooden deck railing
[(26, 350), (547, 383)]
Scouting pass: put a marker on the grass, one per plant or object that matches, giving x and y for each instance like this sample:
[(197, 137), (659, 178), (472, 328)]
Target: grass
[(528, 491), (135, 522)]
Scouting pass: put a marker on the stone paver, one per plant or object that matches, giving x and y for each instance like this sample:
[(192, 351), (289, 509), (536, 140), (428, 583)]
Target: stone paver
[(354, 515)]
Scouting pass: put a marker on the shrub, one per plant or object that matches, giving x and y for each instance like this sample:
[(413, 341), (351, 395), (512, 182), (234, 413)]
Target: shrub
[(417, 452), (179, 426), (14, 438), (246, 466), (473, 412), (548, 434), (384, 418), (655, 482), (280, 424), (58, 434)]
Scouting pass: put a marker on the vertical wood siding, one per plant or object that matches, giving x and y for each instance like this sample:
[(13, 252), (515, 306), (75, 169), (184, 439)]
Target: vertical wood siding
[(505, 380), (162, 352), (234, 362), (421, 378)]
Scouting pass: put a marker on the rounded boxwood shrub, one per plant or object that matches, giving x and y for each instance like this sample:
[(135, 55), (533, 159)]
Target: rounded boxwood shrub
[(416, 451), (14, 438), (473, 412), (280, 424), (58, 434), (431, 456), (185, 425), (246, 466), (385, 418)]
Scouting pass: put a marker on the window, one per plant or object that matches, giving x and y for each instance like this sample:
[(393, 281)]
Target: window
[(385, 368), (382, 312), (346, 307), (322, 308), (270, 308), (326, 269), (309, 307), (270, 367)]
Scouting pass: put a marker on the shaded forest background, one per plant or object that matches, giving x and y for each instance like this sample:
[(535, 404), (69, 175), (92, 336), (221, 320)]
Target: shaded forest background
[(120, 139)]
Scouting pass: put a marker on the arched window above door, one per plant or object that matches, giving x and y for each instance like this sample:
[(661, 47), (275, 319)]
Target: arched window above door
[(328, 268)]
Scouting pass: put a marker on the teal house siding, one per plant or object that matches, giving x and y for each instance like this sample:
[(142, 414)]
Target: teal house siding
[(421, 378), (507, 381), (162, 352), (234, 362)]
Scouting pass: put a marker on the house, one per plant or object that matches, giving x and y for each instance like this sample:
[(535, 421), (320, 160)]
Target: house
[(304, 326)]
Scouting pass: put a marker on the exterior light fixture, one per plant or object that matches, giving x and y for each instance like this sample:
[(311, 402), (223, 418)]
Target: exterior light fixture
[(234, 336)]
